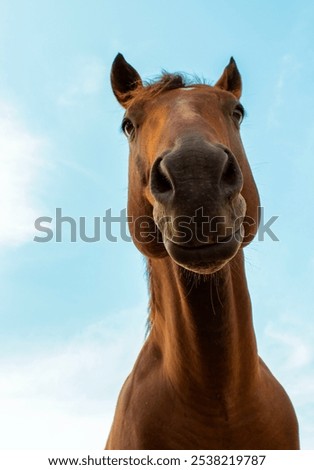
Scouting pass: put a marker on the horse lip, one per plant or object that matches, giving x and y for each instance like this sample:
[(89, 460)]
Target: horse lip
[(202, 246), (206, 256)]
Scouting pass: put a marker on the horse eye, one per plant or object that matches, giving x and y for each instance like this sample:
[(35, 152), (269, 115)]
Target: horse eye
[(128, 128), (238, 114)]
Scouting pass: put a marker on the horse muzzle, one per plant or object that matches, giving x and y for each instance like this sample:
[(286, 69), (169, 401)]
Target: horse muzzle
[(198, 205)]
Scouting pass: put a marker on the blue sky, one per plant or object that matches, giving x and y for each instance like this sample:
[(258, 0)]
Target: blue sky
[(73, 315)]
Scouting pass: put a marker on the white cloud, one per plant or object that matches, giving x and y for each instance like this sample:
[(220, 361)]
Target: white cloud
[(298, 352), (288, 67), (88, 80), (288, 350), (21, 162), (64, 395)]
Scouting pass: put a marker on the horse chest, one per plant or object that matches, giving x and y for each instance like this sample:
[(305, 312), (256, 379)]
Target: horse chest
[(150, 415)]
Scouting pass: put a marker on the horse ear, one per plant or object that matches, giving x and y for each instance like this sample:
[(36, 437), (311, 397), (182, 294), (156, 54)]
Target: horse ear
[(231, 79), (124, 79)]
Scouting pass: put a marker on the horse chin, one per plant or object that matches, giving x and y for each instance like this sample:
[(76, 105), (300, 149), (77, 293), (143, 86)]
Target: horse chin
[(205, 258), (204, 271)]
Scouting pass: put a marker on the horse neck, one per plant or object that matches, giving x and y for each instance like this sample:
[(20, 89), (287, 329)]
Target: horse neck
[(203, 326)]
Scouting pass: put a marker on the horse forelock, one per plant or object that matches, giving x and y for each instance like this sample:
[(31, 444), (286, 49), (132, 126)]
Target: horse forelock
[(165, 82)]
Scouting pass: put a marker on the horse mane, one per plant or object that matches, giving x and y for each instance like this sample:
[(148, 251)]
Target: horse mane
[(165, 82)]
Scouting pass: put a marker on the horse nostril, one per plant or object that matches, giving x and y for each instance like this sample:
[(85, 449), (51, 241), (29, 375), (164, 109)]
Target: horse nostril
[(160, 182), (232, 176), (230, 173)]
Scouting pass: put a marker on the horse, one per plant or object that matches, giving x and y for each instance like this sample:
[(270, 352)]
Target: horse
[(193, 206)]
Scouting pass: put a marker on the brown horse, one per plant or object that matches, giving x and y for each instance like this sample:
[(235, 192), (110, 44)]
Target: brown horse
[(198, 382)]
